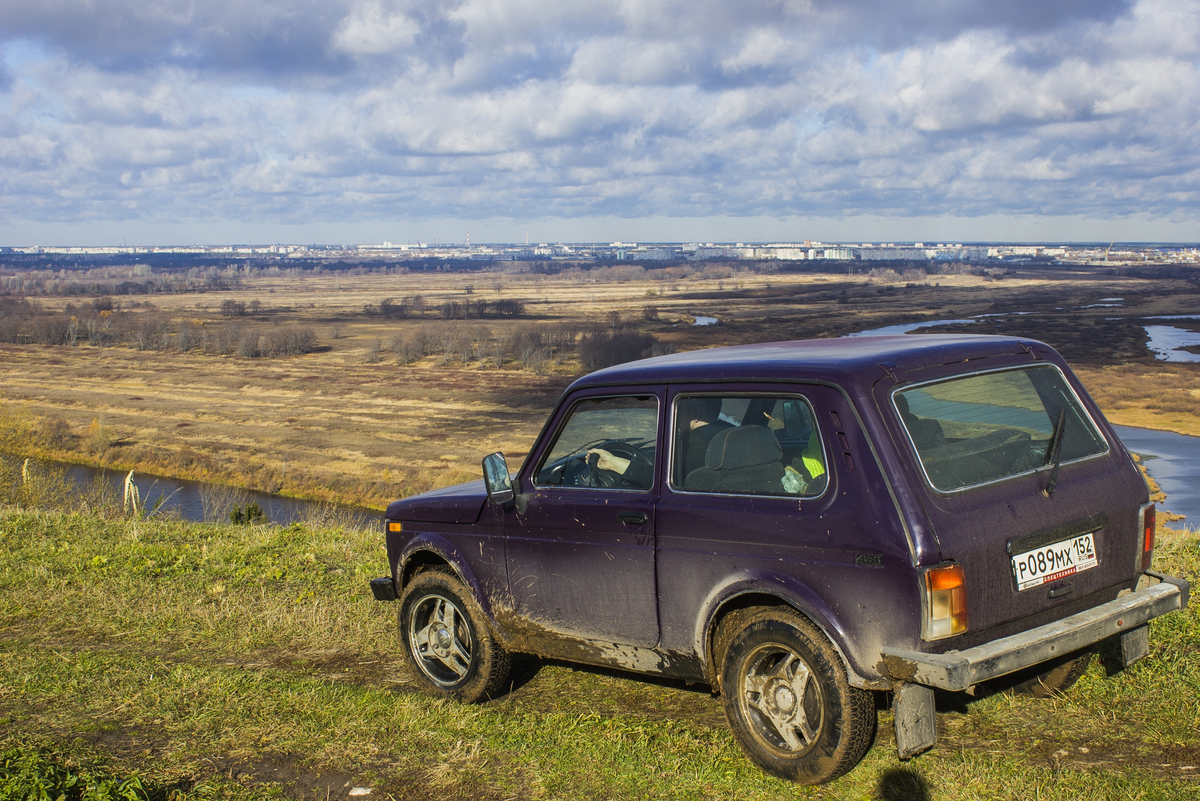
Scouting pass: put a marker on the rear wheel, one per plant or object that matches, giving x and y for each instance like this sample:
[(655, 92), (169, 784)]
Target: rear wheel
[(1058, 678), (788, 701), (447, 639)]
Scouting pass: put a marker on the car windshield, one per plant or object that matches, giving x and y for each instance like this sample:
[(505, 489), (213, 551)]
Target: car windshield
[(985, 427)]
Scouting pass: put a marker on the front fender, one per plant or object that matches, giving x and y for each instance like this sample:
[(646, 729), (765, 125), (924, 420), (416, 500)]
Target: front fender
[(429, 543), (791, 592)]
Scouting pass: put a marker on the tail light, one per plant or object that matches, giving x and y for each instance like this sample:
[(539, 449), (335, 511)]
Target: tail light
[(945, 602), (1147, 520)]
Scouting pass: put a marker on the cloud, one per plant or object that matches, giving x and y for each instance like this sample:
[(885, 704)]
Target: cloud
[(342, 110), (370, 30)]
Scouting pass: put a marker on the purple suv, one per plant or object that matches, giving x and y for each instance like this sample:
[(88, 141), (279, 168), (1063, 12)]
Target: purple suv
[(799, 525)]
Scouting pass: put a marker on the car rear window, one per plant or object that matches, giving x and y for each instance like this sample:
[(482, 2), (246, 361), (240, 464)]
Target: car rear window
[(985, 427)]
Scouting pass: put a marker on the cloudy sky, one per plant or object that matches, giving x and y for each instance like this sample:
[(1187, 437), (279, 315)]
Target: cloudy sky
[(177, 121)]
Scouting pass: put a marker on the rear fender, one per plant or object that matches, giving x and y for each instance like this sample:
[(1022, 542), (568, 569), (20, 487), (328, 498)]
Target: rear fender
[(789, 592)]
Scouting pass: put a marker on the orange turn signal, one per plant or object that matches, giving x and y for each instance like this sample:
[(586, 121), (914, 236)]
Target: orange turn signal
[(945, 602)]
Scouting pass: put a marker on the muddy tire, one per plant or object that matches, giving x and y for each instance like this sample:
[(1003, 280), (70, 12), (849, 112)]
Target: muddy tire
[(1060, 677), (788, 701), (446, 638)]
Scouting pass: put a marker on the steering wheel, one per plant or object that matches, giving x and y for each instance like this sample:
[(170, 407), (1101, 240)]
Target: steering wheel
[(598, 477)]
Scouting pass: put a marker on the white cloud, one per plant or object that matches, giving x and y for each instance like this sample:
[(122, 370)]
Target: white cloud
[(370, 30), (282, 113)]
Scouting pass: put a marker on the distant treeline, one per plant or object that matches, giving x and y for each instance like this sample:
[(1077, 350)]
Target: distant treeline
[(103, 324), (535, 347), (415, 306), (122, 281)]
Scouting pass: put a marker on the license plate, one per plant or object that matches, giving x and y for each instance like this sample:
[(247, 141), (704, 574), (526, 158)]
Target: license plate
[(1052, 562)]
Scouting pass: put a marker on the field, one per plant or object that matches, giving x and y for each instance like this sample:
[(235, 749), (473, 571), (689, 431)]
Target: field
[(229, 662), (166, 660), (367, 416)]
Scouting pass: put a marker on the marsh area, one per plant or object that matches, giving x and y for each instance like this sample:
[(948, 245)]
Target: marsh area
[(409, 378)]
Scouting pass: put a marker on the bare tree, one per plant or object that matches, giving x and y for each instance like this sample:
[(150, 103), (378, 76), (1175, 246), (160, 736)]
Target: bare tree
[(373, 351)]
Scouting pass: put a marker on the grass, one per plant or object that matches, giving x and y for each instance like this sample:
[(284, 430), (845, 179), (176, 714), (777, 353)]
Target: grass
[(249, 662), (1163, 396), (32, 774)]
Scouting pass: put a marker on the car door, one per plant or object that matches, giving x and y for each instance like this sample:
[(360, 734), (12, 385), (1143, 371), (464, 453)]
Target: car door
[(581, 555), (785, 504)]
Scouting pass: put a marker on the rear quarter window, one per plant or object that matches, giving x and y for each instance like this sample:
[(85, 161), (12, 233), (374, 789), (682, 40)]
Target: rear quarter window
[(984, 427), (753, 444)]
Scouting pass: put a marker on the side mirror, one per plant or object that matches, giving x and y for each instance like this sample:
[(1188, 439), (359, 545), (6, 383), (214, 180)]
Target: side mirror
[(496, 479)]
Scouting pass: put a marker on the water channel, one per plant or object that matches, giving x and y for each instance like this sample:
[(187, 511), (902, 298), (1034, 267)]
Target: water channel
[(1166, 341), (1173, 460), (198, 502)]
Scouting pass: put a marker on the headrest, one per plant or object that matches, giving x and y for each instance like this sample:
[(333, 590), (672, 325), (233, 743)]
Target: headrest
[(706, 409), (744, 446)]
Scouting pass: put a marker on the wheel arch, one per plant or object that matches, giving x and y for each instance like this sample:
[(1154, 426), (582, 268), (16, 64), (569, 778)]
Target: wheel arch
[(430, 551), (754, 592)]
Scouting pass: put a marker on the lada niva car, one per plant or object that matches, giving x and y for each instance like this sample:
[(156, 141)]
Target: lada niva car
[(799, 525)]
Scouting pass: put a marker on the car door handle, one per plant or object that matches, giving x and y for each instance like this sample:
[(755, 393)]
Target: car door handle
[(632, 518)]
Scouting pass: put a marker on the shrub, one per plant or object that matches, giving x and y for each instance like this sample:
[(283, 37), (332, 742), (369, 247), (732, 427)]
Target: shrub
[(98, 439), (55, 433), (288, 342), (373, 351), (411, 346), (247, 515), (248, 346), (601, 349)]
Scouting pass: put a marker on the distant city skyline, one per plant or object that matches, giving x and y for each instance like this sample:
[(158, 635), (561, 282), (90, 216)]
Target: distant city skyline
[(1039, 231), (341, 121)]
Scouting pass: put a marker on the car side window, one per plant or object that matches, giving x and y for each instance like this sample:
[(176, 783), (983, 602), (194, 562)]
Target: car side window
[(606, 443), (747, 444)]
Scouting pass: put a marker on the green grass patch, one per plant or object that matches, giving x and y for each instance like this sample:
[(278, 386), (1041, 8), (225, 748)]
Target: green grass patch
[(186, 661)]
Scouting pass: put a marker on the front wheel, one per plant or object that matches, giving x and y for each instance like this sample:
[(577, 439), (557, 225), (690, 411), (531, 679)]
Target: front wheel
[(788, 701), (448, 641)]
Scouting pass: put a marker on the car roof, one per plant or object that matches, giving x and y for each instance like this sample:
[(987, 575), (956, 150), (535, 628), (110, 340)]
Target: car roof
[(845, 360)]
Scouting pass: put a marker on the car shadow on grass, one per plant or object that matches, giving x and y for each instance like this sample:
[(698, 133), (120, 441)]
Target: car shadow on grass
[(901, 784), (551, 686)]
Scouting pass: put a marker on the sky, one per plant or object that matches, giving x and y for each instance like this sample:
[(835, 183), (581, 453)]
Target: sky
[(259, 121)]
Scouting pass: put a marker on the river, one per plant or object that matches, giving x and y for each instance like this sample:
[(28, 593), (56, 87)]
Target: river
[(198, 502), (1166, 341), (1173, 460)]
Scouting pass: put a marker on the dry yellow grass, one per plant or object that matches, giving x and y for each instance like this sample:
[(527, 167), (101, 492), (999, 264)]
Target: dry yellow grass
[(329, 425), (350, 432), (1159, 395)]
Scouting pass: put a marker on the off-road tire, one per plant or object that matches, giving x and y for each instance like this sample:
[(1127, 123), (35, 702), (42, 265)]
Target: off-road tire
[(447, 640), (1059, 677), (780, 675)]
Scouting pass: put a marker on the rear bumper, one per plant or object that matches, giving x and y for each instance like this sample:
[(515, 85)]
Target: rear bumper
[(960, 670)]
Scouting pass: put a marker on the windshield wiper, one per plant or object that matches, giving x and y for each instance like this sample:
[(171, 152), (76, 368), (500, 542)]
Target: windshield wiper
[(1054, 452)]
